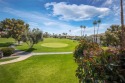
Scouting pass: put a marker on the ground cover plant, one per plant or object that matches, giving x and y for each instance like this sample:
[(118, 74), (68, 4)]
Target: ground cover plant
[(40, 69), (54, 43)]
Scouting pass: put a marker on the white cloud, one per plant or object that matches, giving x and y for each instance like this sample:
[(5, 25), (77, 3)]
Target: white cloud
[(76, 12), (108, 2), (37, 20), (114, 6), (46, 24)]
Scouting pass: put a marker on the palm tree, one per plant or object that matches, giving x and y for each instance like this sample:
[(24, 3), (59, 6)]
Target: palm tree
[(94, 23), (81, 29), (84, 30), (98, 22), (122, 25)]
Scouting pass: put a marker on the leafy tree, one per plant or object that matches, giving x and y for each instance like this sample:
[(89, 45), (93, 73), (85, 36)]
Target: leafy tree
[(32, 37), (46, 35), (14, 28), (64, 35), (112, 36)]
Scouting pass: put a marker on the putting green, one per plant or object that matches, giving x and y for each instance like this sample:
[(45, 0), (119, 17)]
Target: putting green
[(54, 45)]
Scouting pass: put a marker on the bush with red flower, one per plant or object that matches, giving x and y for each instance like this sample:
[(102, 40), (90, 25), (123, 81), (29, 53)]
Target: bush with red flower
[(97, 65)]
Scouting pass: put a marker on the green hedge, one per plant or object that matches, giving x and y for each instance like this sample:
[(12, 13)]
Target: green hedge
[(7, 51)]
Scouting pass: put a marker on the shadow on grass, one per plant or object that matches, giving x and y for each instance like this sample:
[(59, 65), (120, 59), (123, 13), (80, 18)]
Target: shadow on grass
[(30, 49), (6, 44), (18, 45), (24, 51)]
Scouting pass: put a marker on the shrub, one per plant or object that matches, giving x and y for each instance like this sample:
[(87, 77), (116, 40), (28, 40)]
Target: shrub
[(1, 54), (7, 51), (96, 65)]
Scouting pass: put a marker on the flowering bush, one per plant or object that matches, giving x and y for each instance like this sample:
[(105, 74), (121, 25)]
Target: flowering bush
[(96, 65)]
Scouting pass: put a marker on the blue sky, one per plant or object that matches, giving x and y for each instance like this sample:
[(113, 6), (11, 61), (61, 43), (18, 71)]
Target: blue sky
[(58, 16)]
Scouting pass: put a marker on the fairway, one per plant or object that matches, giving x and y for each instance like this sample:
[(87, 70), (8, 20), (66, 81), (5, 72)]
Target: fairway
[(54, 45), (40, 69)]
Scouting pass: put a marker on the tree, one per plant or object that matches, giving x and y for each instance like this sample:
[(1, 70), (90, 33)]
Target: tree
[(81, 29), (122, 25), (32, 37), (84, 30), (112, 36), (64, 35), (14, 28), (98, 22), (46, 35), (94, 23)]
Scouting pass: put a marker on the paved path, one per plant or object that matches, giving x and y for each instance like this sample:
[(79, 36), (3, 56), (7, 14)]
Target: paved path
[(46, 53), (24, 55)]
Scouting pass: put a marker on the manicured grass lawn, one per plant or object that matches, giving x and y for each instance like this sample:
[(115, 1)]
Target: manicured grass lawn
[(40, 69), (54, 45), (7, 59), (5, 42), (39, 48)]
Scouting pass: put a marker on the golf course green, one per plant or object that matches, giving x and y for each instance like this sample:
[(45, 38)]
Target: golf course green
[(54, 45)]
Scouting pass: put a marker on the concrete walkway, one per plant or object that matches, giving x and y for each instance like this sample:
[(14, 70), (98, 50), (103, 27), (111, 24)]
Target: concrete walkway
[(21, 56), (24, 55), (46, 53)]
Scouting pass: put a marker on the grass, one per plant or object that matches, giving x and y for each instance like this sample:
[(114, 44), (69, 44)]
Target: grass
[(39, 48), (54, 45), (40, 69), (7, 59), (5, 42)]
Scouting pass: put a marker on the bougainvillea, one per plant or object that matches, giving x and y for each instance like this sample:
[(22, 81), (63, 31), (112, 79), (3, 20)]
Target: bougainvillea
[(96, 65)]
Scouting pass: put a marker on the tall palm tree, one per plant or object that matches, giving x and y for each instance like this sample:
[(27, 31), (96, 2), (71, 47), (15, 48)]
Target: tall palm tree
[(84, 30), (122, 25), (81, 29), (94, 23), (98, 22)]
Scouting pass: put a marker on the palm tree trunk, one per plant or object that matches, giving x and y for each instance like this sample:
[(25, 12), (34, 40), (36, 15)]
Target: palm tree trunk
[(81, 32), (94, 33), (97, 32), (84, 32), (122, 25)]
